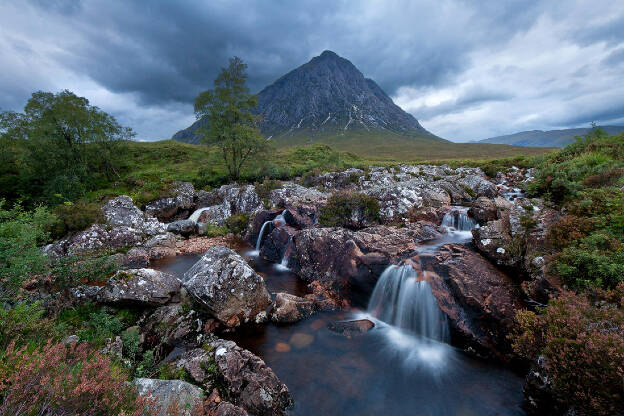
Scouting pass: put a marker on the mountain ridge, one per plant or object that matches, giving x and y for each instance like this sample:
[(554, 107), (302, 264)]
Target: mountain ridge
[(547, 138), (327, 96)]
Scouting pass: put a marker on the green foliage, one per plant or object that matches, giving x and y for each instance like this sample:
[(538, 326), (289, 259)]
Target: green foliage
[(216, 230), (169, 371), (231, 125), (583, 345), (94, 324), (24, 324), (595, 260), (264, 188), (350, 210), (237, 223), (60, 147), (72, 217), (21, 234), (73, 270)]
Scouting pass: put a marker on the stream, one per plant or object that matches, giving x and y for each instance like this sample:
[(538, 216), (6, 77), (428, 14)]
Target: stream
[(400, 367)]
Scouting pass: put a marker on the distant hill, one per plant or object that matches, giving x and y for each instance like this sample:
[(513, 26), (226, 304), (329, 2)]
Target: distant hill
[(550, 138), (328, 98)]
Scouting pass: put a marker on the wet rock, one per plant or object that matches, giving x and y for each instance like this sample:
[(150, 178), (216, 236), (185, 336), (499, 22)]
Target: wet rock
[(182, 227), (249, 382), (351, 328), (179, 396), (337, 257), (494, 240), (301, 216), (140, 287), (479, 300), (227, 286), (276, 243), (483, 209), (177, 206), (301, 340), (289, 308)]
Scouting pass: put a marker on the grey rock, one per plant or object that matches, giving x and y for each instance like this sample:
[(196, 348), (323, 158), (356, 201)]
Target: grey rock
[(227, 286), (291, 194), (170, 394), (139, 287), (182, 227)]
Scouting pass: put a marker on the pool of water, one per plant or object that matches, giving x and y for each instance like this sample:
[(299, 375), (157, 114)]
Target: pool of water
[(387, 371)]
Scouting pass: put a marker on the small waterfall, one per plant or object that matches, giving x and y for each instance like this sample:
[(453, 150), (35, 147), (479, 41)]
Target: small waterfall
[(261, 234), (278, 221), (283, 265), (195, 215), (458, 220), (401, 300)]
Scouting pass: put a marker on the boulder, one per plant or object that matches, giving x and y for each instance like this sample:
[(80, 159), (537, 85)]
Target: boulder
[(493, 240), (478, 184), (290, 195), (483, 209), (146, 287), (351, 328), (121, 212), (182, 227), (339, 258), (289, 308), (249, 382), (227, 286), (276, 243), (215, 214), (171, 396), (479, 300), (176, 206), (302, 216), (170, 326)]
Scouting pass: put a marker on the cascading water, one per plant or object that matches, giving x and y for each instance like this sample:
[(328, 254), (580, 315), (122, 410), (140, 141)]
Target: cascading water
[(283, 264), (278, 221), (401, 300), (457, 220), (195, 215)]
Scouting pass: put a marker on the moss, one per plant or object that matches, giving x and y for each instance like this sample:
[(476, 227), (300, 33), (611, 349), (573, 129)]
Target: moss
[(237, 223), (341, 207)]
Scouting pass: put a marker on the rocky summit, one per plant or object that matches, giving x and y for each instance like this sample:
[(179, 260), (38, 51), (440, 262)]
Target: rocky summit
[(327, 96)]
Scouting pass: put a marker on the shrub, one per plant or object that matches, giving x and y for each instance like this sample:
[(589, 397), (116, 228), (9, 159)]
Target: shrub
[(21, 234), (237, 223), (74, 217), (264, 189), (23, 324), (350, 210), (215, 230), (582, 341), (70, 271), (64, 379), (567, 230)]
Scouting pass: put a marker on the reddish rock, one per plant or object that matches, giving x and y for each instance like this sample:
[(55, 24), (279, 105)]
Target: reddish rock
[(479, 300), (289, 308), (276, 243), (351, 328), (483, 209)]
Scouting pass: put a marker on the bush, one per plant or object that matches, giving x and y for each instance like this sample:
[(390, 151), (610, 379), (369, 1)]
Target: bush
[(73, 217), (582, 341), (24, 324), (595, 261), (21, 234), (73, 270), (350, 210), (567, 230), (237, 223), (64, 379)]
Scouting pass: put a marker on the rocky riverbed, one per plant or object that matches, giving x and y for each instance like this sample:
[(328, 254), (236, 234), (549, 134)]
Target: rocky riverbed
[(265, 321)]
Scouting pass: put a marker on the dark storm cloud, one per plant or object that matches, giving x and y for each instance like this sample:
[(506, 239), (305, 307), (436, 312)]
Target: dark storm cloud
[(145, 61)]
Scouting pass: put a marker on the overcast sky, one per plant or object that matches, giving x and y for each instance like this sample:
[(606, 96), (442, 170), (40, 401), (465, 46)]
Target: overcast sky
[(465, 69)]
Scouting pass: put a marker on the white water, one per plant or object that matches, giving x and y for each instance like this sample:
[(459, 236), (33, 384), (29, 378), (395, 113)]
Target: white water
[(283, 265), (195, 215), (401, 300), (457, 220), (278, 221)]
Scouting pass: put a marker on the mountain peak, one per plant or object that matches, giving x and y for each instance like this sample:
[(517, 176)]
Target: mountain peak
[(327, 96)]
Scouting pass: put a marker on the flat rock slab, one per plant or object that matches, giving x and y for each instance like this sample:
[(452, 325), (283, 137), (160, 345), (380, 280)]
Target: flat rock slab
[(140, 287), (351, 328)]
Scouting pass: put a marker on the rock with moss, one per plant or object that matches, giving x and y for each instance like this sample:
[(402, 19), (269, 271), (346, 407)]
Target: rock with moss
[(227, 286), (146, 287)]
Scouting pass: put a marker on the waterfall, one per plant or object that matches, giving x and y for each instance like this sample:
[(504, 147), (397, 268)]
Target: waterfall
[(261, 234), (458, 220), (278, 221), (283, 265), (195, 215), (401, 300)]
